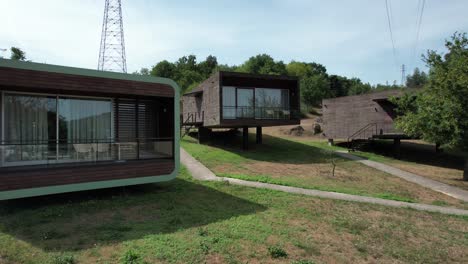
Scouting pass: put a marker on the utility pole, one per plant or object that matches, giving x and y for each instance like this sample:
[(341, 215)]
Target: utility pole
[(112, 52), (403, 75)]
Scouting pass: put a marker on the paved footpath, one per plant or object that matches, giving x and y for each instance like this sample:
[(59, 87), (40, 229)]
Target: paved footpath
[(411, 177), (200, 172)]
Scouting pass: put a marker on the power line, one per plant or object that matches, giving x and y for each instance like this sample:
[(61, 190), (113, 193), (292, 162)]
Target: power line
[(391, 32), (420, 12)]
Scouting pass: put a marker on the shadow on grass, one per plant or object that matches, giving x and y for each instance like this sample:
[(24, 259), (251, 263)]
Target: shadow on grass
[(75, 221), (417, 153), (273, 149)]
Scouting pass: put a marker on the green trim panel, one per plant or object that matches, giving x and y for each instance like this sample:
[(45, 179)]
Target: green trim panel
[(5, 195)]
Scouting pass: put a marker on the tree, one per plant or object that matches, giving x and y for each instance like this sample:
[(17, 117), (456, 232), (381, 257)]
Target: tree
[(304, 69), (164, 69), (208, 66), (439, 112), (17, 54), (263, 64), (188, 79), (417, 80), (143, 71), (187, 63), (357, 87), (339, 85), (314, 89)]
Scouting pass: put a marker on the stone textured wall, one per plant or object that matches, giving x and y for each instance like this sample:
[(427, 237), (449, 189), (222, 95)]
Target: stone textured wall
[(343, 116)]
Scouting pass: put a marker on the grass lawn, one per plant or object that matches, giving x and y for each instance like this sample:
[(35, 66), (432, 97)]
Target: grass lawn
[(186, 221), (420, 158), (308, 164)]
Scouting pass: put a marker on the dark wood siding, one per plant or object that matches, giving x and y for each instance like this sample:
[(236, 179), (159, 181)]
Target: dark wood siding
[(24, 178), (343, 116), (35, 81), (50, 82)]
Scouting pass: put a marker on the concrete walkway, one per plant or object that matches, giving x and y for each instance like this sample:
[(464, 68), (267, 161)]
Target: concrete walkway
[(411, 177), (200, 172)]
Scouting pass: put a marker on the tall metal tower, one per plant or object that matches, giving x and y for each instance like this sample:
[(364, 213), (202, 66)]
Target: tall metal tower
[(112, 51), (403, 75)]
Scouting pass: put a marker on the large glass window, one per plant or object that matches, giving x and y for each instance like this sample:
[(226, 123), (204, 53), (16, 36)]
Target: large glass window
[(30, 128), (229, 102), (85, 128), (245, 103), (41, 129), (271, 103), (259, 103)]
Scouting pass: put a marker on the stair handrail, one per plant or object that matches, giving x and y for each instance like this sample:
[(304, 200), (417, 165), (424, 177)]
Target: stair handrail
[(194, 117), (361, 130)]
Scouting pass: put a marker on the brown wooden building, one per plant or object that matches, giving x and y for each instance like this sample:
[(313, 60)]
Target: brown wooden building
[(240, 100), (362, 117), (67, 129)]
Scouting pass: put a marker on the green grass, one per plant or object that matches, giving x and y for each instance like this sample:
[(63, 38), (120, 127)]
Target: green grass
[(186, 221), (307, 164)]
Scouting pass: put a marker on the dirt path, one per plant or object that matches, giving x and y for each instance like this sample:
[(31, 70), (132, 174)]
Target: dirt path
[(200, 172)]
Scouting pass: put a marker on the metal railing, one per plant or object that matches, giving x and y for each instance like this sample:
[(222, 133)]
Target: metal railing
[(371, 130), (50, 152), (248, 112), (193, 117)]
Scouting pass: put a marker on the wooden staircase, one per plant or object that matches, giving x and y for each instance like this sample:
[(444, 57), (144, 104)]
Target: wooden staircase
[(192, 120), (362, 137), (373, 131)]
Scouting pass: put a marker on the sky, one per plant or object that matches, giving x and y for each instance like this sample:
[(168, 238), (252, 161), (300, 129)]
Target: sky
[(350, 38)]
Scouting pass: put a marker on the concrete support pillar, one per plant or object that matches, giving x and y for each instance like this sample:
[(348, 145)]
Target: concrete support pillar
[(203, 134), (330, 142), (245, 138), (396, 148), (259, 135)]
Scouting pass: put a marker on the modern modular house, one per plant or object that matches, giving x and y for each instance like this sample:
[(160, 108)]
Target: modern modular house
[(240, 100), (68, 129), (362, 117)]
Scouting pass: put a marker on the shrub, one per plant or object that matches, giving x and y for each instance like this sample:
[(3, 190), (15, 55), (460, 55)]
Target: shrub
[(130, 257), (277, 252), (202, 232), (64, 259)]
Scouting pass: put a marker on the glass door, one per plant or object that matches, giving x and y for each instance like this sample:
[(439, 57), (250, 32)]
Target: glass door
[(29, 129), (245, 103)]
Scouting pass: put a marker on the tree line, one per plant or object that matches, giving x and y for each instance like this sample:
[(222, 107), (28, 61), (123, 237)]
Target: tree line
[(315, 83)]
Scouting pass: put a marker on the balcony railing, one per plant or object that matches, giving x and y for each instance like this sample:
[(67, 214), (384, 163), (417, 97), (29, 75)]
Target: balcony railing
[(248, 112), (50, 152)]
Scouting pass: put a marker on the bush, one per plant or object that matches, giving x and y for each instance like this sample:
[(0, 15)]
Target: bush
[(277, 252), (130, 257), (64, 259)]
